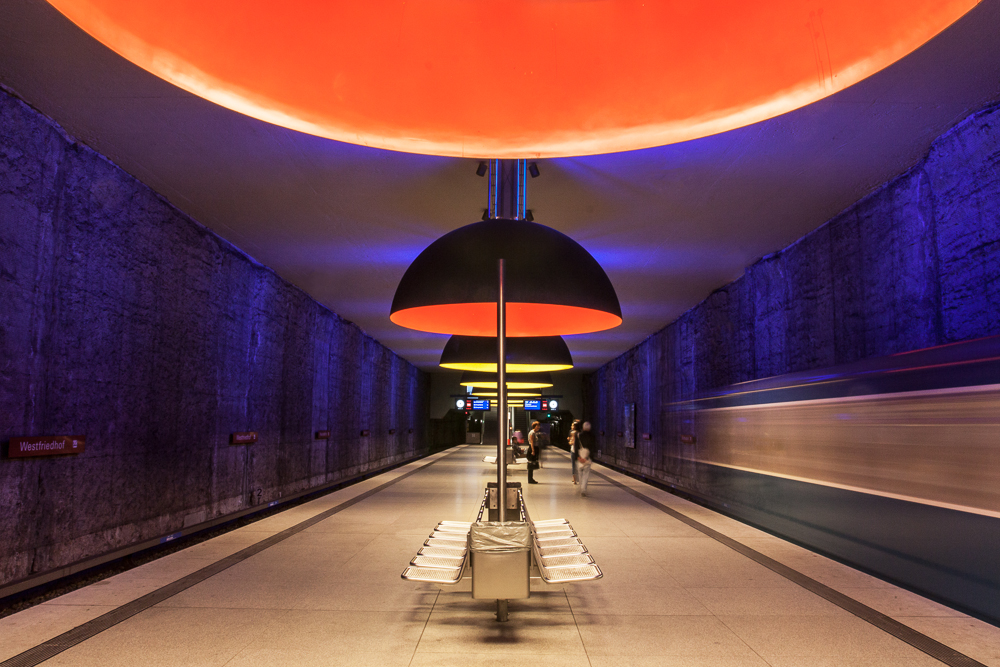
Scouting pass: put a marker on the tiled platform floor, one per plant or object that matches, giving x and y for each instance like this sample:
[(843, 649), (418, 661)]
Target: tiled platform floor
[(331, 594)]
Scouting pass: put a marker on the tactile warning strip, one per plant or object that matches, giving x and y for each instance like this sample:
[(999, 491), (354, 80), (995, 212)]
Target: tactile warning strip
[(81, 633), (918, 640)]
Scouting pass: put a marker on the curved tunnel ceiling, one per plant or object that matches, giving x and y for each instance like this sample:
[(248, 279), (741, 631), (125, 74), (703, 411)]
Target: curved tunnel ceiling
[(513, 78)]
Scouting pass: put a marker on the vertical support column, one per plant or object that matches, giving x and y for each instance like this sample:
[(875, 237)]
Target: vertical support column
[(501, 394)]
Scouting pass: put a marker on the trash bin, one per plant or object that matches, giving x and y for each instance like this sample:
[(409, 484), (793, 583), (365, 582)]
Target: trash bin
[(501, 560)]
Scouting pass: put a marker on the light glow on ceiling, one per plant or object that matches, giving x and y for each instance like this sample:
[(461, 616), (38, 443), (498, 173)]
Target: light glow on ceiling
[(574, 78)]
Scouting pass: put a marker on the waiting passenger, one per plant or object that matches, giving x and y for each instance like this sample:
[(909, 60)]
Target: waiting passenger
[(534, 447), (583, 457), (574, 445)]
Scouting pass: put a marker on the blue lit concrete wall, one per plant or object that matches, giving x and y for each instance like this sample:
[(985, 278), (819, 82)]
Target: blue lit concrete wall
[(915, 264), (124, 320)]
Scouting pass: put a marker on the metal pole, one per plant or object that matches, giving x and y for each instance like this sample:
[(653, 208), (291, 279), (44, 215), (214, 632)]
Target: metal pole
[(501, 395)]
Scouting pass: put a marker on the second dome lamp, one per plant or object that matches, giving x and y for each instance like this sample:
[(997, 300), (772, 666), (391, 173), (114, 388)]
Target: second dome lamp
[(529, 354)]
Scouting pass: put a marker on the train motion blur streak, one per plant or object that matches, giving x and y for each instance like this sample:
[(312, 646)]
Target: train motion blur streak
[(890, 464)]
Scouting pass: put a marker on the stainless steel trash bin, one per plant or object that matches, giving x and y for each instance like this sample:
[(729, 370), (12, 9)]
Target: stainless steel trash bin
[(501, 560)]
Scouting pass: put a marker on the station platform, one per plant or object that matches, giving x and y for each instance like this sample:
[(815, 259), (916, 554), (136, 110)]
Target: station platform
[(319, 584)]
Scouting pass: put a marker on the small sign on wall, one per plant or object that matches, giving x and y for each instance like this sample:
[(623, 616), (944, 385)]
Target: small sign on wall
[(689, 440), (243, 438), (392, 431), (647, 436), (365, 433), (322, 435), (46, 445)]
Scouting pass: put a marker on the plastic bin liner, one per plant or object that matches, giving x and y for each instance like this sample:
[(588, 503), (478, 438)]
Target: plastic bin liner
[(499, 537)]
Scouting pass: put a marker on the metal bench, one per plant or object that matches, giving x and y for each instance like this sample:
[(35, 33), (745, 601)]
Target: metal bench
[(558, 554)]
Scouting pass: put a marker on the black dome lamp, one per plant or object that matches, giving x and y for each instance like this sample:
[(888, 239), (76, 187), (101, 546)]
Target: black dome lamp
[(524, 355), (520, 381), (553, 285)]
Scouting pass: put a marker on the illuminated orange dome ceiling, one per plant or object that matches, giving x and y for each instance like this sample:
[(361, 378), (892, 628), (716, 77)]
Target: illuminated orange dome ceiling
[(513, 78)]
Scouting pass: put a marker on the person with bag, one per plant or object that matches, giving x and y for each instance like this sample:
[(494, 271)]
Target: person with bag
[(574, 445), (586, 439), (534, 446)]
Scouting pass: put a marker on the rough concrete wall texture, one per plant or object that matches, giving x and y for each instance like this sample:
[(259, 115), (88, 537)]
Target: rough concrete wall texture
[(123, 320), (914, 264)]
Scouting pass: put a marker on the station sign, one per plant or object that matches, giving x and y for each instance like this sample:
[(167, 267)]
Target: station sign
[(481, 404), (541, 404), (322, 435), (46, 445), (243, 438)]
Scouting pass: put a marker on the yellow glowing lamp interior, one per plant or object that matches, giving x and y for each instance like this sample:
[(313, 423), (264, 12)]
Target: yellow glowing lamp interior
[(485, 384), (510, 394), (590, 77), (511, 368)]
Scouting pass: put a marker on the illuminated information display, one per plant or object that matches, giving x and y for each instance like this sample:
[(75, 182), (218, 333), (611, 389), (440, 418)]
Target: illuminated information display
[(480, 403), (534, 404)]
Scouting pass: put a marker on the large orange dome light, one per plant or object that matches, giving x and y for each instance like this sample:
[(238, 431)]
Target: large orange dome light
[(513, 78)]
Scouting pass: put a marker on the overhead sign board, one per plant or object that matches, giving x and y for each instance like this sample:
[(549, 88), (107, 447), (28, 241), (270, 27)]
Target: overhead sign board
[(46, 445), (480, 404), (532, 404)]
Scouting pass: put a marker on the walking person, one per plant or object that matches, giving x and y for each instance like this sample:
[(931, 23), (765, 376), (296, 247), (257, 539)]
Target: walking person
[(574, 445), (586, 439), (534, 447)]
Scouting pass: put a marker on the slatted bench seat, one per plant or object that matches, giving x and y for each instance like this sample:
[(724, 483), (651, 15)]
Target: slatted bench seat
[(559, 553), (443, 557)]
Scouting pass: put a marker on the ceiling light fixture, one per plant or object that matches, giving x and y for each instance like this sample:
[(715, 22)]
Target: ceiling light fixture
[(521, 381), (524, 355), (554, 286)]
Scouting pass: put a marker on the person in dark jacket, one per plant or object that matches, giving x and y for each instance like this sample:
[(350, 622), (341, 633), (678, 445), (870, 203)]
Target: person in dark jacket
[(534, 447)]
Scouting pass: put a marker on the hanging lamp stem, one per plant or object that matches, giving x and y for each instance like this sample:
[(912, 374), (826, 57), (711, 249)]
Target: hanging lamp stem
[(501, 395)]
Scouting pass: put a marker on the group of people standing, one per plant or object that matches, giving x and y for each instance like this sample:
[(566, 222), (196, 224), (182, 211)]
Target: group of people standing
[(581, 443)]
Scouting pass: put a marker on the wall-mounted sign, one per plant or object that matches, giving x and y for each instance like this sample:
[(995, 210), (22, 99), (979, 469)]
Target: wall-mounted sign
[(322, 435), (647, 436), (244, 438), (46, 445), (689, 439), (409, 430), (460, 404), (365, 433), (553, 404), (480, 404), (392, 431), (533, 404)]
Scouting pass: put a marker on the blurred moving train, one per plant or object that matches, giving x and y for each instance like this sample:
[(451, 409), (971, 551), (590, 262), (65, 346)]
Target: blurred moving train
[(890, 464)]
